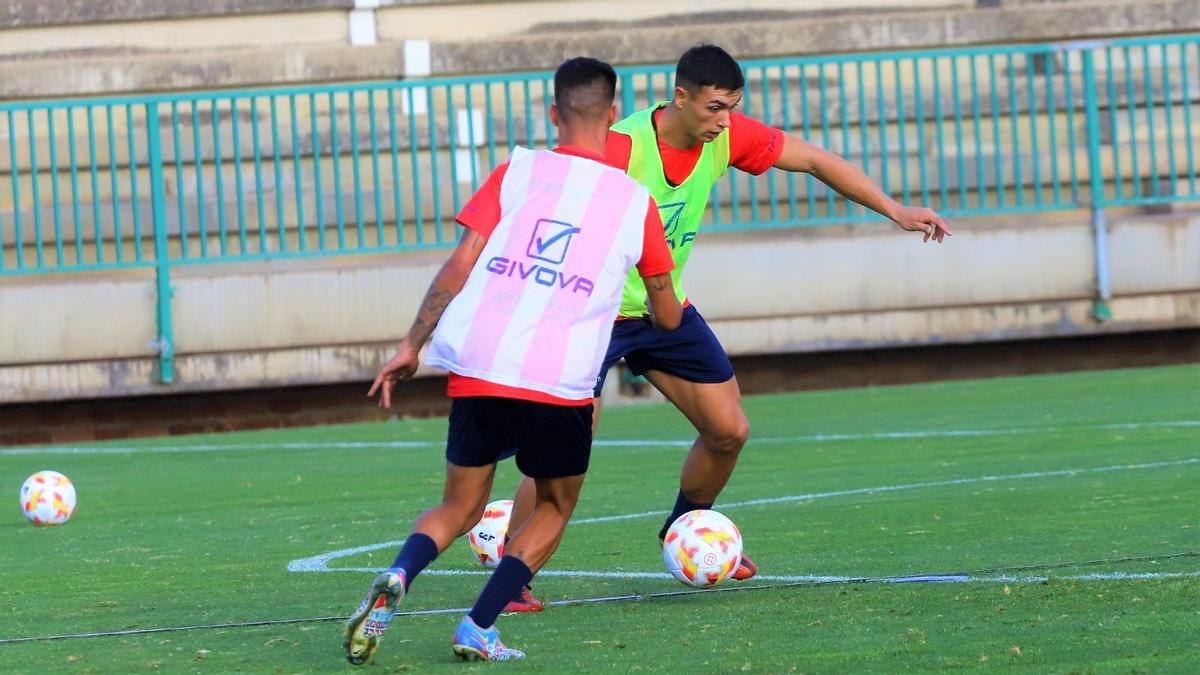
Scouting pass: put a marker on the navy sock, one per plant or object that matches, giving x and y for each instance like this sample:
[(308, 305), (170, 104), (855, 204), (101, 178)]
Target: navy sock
[(682, 506), (509, 577), (416, 554)]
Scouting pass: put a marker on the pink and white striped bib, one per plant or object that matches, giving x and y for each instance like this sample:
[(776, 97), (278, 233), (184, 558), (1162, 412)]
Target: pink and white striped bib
[(537, 310)]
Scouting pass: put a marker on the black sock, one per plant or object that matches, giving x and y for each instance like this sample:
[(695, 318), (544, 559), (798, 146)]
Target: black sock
[(416, 554), (682, 506), (509, 577)]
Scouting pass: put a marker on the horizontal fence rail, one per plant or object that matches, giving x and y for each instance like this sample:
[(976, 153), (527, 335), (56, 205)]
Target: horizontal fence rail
[(223, 176)]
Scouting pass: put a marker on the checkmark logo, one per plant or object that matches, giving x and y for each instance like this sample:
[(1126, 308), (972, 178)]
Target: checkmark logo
[(550, 240), (671, 214)]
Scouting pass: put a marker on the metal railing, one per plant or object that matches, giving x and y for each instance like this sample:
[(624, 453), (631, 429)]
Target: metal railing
[(160, 181)]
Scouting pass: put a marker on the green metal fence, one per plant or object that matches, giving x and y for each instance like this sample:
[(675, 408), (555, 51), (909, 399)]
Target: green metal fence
[(160, 181)]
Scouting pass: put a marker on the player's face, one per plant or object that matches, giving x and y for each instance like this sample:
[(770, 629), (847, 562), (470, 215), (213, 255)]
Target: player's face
[(708, 110)]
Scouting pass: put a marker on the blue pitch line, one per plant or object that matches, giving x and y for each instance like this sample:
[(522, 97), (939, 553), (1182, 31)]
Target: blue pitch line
[(602, 443), (956, 577), (320, 562)]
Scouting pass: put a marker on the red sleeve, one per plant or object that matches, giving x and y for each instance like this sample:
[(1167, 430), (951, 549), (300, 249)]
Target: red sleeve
[(753, 146), (482, 212), (617, 148), (656, 255)]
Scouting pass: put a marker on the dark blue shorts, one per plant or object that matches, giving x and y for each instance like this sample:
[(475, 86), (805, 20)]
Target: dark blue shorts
[(690, 352), (550, 441)]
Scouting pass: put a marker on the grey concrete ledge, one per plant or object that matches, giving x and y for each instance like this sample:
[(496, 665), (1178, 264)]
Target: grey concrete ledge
[(41, 13)]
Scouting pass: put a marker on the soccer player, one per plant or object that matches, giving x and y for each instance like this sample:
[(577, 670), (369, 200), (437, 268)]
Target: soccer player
[(679, 149), (520, 315)]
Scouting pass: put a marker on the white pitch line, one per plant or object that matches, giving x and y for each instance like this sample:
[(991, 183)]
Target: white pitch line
[(602, 443), (319, 563)]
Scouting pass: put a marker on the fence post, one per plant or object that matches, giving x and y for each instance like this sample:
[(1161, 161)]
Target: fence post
[(164, 342), (1100, 308)]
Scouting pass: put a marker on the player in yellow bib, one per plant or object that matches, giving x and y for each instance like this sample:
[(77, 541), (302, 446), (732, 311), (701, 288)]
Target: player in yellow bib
[(679, 149)]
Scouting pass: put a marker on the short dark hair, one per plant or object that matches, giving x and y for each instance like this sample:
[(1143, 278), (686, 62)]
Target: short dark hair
[(708, 65), (584, 86)]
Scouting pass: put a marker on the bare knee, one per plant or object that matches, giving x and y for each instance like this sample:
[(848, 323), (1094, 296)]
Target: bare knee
[(728, 439)]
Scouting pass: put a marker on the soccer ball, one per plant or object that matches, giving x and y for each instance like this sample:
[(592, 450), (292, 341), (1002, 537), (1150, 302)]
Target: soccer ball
[(48, 498), (487, 538), (702, 548)]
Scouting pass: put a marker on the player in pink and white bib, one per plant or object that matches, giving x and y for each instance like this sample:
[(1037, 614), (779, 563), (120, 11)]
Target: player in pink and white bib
[(521, 316)]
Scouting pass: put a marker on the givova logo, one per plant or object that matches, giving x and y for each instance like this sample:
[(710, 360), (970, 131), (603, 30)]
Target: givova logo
[(672, 215), (549, 243)]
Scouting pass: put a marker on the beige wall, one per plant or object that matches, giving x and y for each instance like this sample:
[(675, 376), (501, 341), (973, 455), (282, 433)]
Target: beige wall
[(763, 291)]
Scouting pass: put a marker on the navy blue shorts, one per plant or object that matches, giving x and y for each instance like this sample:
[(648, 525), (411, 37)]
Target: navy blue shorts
[(690, 352), (550, 441)]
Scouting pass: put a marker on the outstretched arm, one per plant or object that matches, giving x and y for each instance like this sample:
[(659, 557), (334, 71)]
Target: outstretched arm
[(853, 184), (447, 284)]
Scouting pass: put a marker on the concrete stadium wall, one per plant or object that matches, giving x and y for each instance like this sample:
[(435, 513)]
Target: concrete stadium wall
[(765, 292), (53, 60)]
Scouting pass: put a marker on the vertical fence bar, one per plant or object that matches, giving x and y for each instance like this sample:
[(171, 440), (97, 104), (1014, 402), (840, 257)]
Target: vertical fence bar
[(1114, 134), (433, 162), (826, 140), (881, 120), (919, 111), (844, 112), (1052, 115), (1135, 175), (1034, 146), (752, 185), (134, 202), (768, 115), (810, 184), (414, 159), (75, 212), (960, 169), (1168, 113), (901, 133), (373, 128), (1100, 308), (357, 172), (114, 186), (977, 126), (318, 188), (35, 190), (180, 205), (1013, 108), (1185, 87), (298, 177), (198, 169), (786, 108), (58, 239), (335, 154), (395, 157), (1069, 106), (471, 139), (97, 230), (259, 207), (165, 340), (943, 187), (547, 97), (15, 172), (490, 126), (997, 156), (235, 127), (1152, 137), (452, 147), (218, 176), (280, 222)]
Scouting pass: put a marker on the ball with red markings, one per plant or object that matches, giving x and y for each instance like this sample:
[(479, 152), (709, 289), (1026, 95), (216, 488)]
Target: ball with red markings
[(48, 498), (702, 548), (486, 539)]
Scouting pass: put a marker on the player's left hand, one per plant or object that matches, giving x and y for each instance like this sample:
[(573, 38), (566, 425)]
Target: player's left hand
[(399, 367), (921, 219)]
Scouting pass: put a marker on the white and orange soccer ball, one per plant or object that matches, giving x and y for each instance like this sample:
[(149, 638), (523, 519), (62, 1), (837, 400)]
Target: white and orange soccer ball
[(702, 548), (48, 498), (486, 539)]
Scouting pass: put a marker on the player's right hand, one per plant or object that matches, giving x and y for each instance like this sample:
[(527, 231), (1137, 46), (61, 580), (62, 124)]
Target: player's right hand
[(399, 367)]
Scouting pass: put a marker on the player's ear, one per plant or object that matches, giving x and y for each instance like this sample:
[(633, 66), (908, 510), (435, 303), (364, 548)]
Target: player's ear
[(554, 117), (612, 114), (681, 96)]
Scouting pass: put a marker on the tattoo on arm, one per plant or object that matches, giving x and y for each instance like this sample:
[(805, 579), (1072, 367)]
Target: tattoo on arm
[(432, 308), (659, 283)]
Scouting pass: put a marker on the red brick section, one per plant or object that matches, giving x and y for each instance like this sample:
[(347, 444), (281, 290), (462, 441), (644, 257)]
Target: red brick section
[(75, 421), (104, 419)]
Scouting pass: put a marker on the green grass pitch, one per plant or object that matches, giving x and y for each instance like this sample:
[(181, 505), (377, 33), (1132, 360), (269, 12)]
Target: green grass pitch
[(922, 479)]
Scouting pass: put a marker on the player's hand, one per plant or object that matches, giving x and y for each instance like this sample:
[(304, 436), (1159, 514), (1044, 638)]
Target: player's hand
[(920, 219), (399, 367)]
